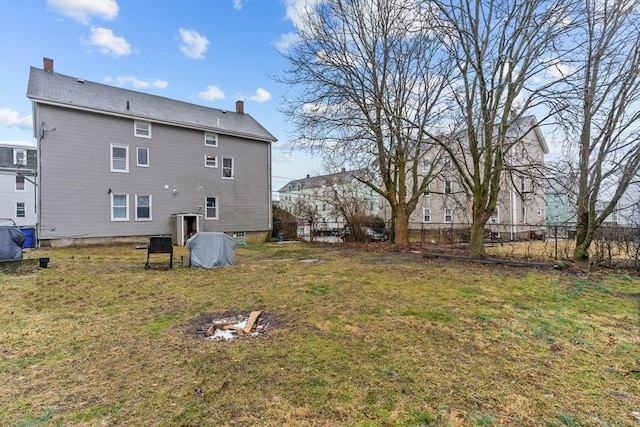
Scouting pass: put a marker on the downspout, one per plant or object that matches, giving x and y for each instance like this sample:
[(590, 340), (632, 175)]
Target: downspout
[(513, 212), (38, 134), (270, 199)]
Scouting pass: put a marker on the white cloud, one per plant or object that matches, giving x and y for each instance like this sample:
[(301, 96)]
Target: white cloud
[(286, 41), (193, 44), (296, 9), (83, 10), (136, 82), (107, 42), (558, 69), (283, 157), (8, 118), (237, 4), (261, 96), (212, 93)]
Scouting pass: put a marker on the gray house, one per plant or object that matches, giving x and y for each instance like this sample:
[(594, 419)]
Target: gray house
[(119, 164)]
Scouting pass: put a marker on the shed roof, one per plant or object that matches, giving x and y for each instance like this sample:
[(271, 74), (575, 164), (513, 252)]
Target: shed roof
[(72, 92)]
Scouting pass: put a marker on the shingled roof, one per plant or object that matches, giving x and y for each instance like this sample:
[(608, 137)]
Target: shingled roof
[(72, 92), (319, 181)]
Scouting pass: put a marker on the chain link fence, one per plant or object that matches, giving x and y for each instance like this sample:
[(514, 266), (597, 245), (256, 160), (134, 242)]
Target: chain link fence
[(612, 246)]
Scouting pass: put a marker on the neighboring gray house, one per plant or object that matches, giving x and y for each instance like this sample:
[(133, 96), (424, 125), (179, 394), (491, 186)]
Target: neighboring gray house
[(115, 163), (521, 200), (18, 164)]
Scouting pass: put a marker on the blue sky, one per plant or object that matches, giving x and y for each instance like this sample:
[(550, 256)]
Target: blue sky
[(207, 52)]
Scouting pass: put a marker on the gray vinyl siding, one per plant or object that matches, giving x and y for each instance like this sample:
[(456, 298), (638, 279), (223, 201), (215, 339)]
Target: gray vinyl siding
[(76, 179)]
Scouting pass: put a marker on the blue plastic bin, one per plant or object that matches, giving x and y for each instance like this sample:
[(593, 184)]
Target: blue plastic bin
[(30, 241)]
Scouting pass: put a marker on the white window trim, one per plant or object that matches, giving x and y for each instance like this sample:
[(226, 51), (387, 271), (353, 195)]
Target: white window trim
[(239, 234), (126, 169), (233, 167), (450, 216), (215, 158), (495, 219), (24, 187), (142, 165), (24, 209), (20, 156), (150, 208), (424, 215), (215, 135), (426, 165), (135, 129), (206, 208), (448, 187), (126, 218)]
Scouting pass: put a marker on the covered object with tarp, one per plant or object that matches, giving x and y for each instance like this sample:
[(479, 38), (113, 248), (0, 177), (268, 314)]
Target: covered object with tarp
[(211, 250), (11, 241)]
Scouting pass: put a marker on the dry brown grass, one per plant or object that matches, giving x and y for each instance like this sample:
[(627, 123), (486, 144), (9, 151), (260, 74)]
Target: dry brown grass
[(358, 337)]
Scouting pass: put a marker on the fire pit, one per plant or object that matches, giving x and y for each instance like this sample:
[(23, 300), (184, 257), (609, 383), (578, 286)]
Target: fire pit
[(230, 326)]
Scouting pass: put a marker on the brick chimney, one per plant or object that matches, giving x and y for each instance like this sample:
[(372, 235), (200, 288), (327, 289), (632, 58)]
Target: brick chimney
[(240, 107), (48, 65)]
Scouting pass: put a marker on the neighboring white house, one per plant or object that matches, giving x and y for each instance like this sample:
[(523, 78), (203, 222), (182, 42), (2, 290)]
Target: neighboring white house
[(319, 199), (18, 165)]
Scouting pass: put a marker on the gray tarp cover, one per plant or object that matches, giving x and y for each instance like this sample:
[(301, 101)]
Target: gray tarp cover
[(211, 249), (11, 241)]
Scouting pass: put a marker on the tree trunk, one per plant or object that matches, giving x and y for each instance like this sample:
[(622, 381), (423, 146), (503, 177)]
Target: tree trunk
[(401, 230), (476, 240), (581, 251)]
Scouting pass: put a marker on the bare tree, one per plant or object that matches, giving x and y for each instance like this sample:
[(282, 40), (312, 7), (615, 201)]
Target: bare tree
[(350, 200), (500, 49), (603, 101), (367, 78), (305, 212)]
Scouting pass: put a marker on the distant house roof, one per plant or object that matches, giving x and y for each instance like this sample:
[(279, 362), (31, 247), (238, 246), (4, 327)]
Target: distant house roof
[(71, 92), (320, 180), (520, 127)]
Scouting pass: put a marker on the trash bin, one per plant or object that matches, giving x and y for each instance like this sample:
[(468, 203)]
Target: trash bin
[(30, 233)]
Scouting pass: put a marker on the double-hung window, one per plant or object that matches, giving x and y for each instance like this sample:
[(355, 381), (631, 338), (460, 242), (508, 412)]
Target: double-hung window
[(446, 164), (119, 207), (142, 129), (211, 211), (447, 187), (210, 139), (143, 207), (142, 157), (20, 183), (448, 215), (119, 158), (227, 168), (210, 161), (425, 165), (495, 216), (426, 215), (19, 156), (21, 211)]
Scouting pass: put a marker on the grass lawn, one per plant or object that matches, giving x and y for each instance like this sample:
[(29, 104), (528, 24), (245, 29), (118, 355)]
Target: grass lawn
[(356, 337)]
